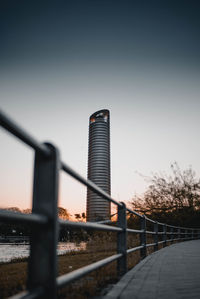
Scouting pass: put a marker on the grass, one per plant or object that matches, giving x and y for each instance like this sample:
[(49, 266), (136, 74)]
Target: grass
[(13, 275), (12, 278)]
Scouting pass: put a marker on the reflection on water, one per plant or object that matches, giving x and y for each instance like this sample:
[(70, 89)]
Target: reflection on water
[(12, 251), (64, 247)]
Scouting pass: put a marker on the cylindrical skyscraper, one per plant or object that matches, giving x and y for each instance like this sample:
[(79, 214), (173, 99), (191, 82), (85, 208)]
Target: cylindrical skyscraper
[(99, 165)]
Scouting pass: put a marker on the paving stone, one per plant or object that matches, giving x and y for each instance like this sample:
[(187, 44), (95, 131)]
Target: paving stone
[(170, 273)]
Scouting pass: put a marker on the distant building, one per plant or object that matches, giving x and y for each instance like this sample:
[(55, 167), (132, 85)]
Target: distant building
[(99, 164)]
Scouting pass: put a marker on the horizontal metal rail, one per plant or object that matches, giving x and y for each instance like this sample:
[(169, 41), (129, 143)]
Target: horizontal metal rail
[(134, 212), (15, 217), (150, 220), (20, 133), (134, 249), (161, 242), (150, 232), (105, 221), (76, 274), (150, 244), (89, 226), (89, 184), (172, 226), (180, 227), (137, 231), (176, 227)]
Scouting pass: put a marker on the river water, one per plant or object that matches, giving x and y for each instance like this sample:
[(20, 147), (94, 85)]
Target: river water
[(12, 251)]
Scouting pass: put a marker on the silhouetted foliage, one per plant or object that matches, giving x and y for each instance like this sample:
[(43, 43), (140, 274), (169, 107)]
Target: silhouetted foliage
[(173, 199), (22, 229), (63, 213)]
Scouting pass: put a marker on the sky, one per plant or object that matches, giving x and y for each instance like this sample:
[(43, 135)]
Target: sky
[(60, 61)]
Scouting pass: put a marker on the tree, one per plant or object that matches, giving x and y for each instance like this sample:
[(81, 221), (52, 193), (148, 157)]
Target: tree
[(63, 213), (13, 209), (175, 197), (80, 217), (27, 211)]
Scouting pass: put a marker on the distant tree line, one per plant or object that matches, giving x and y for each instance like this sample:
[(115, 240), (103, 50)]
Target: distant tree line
[(173, 199), (65, 234)]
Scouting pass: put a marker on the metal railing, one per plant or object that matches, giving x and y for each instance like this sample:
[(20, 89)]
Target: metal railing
[(42, 268)]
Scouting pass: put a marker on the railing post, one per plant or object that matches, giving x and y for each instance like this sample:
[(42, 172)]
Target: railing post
[(122, 240), (179, 234), (187, 235), (143, 251), (164, 235), (192, 234), (156, 236), (43, 258), (172, 234)]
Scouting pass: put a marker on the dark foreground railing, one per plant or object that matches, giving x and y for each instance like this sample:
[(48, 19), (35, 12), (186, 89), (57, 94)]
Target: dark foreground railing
[(42, 270)]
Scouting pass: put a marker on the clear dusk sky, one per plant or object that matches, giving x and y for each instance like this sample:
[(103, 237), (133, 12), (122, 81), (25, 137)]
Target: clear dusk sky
[(60, 61)]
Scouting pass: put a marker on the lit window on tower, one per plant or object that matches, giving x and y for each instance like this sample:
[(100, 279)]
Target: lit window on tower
[(103, 115)]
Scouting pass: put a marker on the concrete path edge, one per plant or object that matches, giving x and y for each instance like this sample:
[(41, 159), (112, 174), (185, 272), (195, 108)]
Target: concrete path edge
[(118, 288)]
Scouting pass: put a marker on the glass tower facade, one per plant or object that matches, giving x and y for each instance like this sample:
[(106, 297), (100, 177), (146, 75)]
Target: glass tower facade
[(99, 165)]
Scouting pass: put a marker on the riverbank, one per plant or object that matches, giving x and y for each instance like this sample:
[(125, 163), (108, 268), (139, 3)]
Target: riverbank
[(14, 274), (12, 251)]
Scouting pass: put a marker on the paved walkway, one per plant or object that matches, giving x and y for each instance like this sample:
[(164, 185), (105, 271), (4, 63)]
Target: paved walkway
[(170, 273)]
